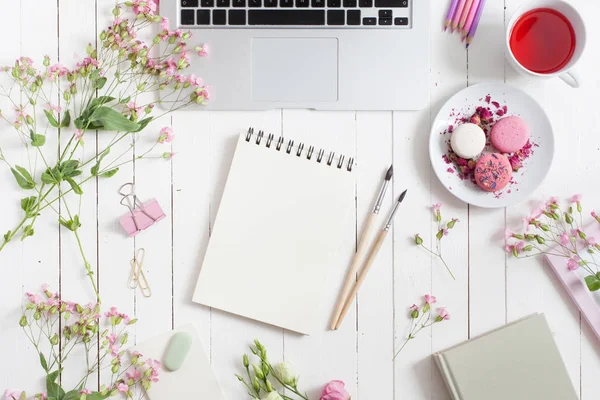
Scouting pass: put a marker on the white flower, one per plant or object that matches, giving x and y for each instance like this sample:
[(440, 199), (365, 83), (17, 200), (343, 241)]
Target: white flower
[(285, 373), (272, 396)]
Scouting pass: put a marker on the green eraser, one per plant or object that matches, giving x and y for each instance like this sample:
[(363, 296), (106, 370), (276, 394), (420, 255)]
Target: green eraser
[(177, 351)]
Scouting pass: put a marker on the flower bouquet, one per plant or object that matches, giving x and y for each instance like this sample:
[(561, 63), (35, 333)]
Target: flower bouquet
[(107, 92), (56, 327), (550, 231)]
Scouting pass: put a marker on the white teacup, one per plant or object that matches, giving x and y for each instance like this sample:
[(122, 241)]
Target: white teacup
[(567, 73)]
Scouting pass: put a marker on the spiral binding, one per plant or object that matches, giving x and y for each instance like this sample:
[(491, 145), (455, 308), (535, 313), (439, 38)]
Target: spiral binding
[(279, 146)]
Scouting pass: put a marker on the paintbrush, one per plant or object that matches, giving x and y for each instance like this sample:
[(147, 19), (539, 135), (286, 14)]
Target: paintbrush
[(369, 260), (362, 245)]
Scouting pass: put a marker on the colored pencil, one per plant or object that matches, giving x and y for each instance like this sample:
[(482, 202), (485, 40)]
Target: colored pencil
[(471, 17), (457, 14), (450, 15), (465, 14), (476, 21)]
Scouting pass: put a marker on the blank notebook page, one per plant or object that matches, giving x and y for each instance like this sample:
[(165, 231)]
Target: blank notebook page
[(277, 233)]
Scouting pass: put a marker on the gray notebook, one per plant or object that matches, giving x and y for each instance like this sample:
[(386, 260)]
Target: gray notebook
[(519, 361)]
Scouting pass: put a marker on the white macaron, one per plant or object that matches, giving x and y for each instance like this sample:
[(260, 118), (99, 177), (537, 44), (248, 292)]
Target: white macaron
[(468, 140)]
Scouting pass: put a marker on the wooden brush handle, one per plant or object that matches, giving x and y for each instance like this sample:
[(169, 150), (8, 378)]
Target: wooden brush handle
[(351, 277), (363, 274)]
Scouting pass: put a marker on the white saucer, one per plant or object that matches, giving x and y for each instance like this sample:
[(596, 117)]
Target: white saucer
[(535, 168)]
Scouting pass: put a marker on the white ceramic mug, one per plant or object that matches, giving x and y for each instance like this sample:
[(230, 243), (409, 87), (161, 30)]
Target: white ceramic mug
[(567, 73)]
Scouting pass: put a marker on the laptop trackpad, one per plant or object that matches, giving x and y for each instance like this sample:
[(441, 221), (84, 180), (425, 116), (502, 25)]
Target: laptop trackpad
[(294, 69)]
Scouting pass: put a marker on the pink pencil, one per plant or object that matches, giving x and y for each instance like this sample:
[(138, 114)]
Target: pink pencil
[(471, 17), (457, 15), (465, 14), (450, 15)]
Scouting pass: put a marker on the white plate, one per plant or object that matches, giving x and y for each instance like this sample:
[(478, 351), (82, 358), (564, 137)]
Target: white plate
[(520, 104)]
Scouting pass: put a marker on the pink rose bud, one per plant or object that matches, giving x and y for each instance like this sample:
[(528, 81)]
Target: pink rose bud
[(335, 390)]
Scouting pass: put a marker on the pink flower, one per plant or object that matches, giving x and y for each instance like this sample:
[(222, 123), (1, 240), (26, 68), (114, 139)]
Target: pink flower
[(112, 312), (576, 198), (112, 338), (180, 78), (12, 394), (133, 108), (593, 213), (123, 388), (436, 207), (564, 239), (202, 50), (88, 61), (508, 234), (414, 307), (166, 135), (34, 298), (518, 247), (445, 232), (144, 7), (168, 155), (573, 262), (551, 201), (335, 390), (591, 241), (194, 81), (443, 314), (52, 107), (85, 391), (78, 134), (134, 374), (45, 287), (70, 306), (44, 396), (164, 23), (430, 299)]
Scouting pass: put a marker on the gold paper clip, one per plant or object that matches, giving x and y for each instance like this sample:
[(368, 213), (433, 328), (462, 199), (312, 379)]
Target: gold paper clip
[(137, 277)]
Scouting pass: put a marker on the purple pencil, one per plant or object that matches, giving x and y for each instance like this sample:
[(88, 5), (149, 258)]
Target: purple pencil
[(475, 25), (471, 17), (450, 15)]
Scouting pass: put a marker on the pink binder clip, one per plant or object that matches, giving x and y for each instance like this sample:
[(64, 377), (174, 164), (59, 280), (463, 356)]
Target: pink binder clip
[(141, 215)]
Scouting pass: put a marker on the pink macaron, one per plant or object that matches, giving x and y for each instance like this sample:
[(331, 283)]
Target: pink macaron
[(510, 134), (493, 172)]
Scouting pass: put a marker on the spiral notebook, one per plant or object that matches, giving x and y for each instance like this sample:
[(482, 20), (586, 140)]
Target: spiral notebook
[(285, 211)]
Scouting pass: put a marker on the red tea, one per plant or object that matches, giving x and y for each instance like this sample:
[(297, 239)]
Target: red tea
[(543, 40)]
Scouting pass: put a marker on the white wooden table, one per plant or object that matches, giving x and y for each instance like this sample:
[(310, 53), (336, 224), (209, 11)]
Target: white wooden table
[(490, 290)]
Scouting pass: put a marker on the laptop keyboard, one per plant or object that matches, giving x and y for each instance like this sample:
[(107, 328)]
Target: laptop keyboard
[(290, 13)]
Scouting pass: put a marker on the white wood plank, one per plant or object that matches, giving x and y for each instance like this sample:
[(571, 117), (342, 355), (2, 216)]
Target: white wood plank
[(376, 298), (231, 335), (487, 289), (15, 276), (326, 355), (75, 284), (115, 249), (530, 286), (191, 201)]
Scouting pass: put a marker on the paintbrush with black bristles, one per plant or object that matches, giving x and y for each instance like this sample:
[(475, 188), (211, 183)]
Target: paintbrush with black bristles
[(369, 260), (362, 245)]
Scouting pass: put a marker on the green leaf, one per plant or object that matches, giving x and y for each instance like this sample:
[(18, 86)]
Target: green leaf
[(53, 389), (48, 177), (53, 375), (72, 395), (7, 236), (51, 118), (24, 179), (27, 203), (72, 224), (96, 167), (66, 120), (113, 120), (38, 140), (99, 84), (99, 101), (592, 282), (68, 167), (143, 123), (125, 100), (76, 188), (97, 396), (110, 174), (43, 362), (27, 231)]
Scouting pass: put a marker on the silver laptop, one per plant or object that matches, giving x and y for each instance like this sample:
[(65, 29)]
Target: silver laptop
[(317, 54)]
